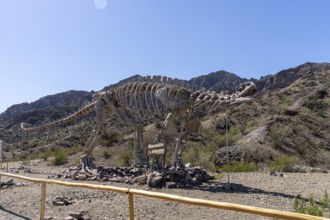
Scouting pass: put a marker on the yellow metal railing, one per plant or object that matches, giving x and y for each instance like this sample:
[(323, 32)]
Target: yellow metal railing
[(191, 201)]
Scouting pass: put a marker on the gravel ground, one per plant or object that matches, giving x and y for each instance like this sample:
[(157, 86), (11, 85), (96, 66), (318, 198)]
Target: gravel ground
[(254, 189)]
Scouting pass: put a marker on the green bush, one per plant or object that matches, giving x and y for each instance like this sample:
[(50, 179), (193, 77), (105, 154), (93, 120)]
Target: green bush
[(60, 158), (240, 166), (247, 126), (219, 139), (287, 102), (44, 156), (278, 133), (25, 162), (198, 155), (283, 163), (327, 101), (75, 149), (311, 207), (125, 158)]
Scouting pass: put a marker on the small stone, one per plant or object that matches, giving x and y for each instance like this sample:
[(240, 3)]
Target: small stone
[(76, 214), (68, 218), (56, 203), (170, 185), (9, 182), (81, 177), (85, 217), (197, 180), (149, 179), (273, 173)]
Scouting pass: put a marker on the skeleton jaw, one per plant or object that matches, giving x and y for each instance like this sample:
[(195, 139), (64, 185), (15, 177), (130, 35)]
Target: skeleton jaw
[(246, 89)]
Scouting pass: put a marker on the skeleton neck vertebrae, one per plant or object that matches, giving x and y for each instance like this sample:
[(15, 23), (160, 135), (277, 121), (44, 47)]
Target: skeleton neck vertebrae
[(145, 101)]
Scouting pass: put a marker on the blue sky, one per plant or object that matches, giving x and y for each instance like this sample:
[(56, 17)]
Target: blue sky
[(51, 46)]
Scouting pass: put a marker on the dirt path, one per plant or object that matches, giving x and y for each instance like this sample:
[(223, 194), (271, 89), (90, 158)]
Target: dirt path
[(255, 189)]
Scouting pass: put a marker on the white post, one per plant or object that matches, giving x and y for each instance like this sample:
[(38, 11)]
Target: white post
[(0, 154)]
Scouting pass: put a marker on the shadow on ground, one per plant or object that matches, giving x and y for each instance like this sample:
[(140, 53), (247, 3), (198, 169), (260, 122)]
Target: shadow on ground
[(13, 214), (216, 187)]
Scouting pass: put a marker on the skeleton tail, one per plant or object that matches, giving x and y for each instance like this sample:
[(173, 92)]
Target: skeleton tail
[(84, 111)]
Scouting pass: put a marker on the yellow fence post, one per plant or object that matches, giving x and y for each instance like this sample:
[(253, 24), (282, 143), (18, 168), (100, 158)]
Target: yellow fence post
[(131, 205), (43, 201)]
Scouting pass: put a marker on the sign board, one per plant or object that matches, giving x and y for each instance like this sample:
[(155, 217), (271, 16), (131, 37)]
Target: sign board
[(156, 149)]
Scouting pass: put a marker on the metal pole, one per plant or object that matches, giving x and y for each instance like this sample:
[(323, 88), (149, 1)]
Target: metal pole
[(0, 154), (22, 134), (228, 165)]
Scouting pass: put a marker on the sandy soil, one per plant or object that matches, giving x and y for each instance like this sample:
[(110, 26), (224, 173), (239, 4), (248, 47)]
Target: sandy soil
[(255, 189)]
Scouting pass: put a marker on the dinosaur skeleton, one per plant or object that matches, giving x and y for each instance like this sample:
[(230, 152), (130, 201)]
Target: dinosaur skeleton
[(148, 100)]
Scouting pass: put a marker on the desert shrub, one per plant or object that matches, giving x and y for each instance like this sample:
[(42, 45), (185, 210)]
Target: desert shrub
[(110, 137), (44, 155), (7, 148), (60, 158), (240, 166), (76, 162), (129, 130), (278, 133), (106, 154), (283, 163), (247, 125), (311, 207), (25, 162), (327, 101), (304, 112), (125, 158), (286, 102), (220, 139), (75, 149), (198, 155)]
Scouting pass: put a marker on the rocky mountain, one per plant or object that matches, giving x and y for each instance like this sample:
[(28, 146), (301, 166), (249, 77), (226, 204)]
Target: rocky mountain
[(45, 109), (290, 115), (220, 81)]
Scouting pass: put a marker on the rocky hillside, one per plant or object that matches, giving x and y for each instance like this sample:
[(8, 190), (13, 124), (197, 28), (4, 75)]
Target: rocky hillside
[(290, 115)]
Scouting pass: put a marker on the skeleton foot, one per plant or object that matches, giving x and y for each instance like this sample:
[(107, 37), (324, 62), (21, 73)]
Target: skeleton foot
[(87, 164)]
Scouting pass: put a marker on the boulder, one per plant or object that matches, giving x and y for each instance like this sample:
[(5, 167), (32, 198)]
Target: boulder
[(156, 181)]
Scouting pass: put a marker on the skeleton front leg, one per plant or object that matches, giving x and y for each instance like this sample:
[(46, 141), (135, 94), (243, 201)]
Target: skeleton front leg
[(86, 159), (177, 161), (139, 149)]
